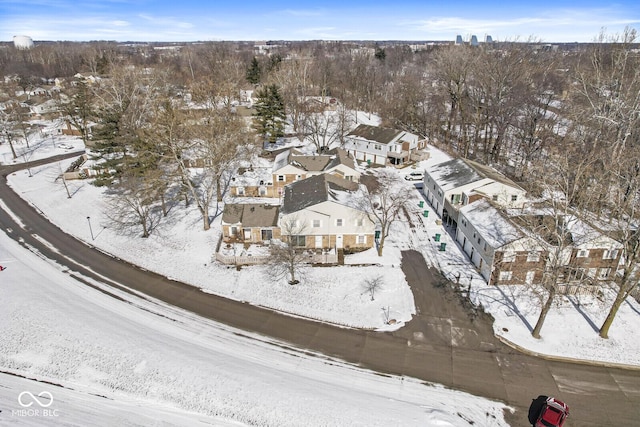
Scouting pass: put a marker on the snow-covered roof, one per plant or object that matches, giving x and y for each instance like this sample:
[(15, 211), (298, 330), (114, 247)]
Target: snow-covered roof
[(314, 190), (493, 227), (458, 172)]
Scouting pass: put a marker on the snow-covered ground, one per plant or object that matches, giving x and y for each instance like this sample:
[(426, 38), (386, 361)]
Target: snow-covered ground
[(54, 329), (146, 363), (180, 249)]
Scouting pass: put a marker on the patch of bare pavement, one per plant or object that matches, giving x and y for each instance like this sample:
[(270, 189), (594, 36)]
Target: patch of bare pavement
[(446, 342)]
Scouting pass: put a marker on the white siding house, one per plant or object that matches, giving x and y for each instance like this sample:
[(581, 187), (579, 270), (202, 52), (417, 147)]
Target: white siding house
[(379, 145), (455, 183)]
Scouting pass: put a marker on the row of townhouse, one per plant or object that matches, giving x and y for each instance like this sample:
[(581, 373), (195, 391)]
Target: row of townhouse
[(314, 206), (291, 166), (503, 240)]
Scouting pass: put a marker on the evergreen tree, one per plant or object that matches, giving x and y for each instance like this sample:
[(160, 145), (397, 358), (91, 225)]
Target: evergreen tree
[(254, 72), (270, 113)]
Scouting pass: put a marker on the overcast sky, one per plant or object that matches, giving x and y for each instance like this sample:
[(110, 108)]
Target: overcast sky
[(193, 20)]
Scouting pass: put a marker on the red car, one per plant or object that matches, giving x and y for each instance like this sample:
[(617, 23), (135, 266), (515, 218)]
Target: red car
[(553, 413)]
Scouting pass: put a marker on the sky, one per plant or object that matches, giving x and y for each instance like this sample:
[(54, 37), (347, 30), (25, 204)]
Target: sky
[(196, 20)]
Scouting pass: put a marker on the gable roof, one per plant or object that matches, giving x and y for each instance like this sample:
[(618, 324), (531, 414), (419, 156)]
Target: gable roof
[(251, 214), (453, 173), (314, 162), (376, 133), (458, 172), (314, 190), (493, 227)]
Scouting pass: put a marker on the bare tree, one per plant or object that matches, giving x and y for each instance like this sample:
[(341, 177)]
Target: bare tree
[(372, 285), (134, 203), (384, 201), (561, 182), (287, 259)]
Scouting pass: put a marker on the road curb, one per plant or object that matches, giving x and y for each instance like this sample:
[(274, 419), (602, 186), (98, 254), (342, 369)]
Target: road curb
[(524, 350)]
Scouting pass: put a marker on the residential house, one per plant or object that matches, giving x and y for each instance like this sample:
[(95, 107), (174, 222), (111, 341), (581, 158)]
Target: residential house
[(253, 181), (291, 166), (501, 251), (320, 211), (380, 145), (592, 256), (511, 249), (250, 223), (450, 185)]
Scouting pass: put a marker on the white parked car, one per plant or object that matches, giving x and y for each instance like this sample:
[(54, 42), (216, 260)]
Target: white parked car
[(65, 146), (414, 176)]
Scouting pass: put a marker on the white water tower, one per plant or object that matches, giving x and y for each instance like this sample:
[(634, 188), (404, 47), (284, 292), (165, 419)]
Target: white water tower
[(22, 42)]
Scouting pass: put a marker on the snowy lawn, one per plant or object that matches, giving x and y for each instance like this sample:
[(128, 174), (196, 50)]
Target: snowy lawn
[(137, 362), (181, 250)]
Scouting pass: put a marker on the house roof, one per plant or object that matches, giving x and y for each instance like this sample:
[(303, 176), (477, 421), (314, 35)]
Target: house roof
[(454, 173), (314, 190), (458, 172), (251, 215), (493, 227), (315, 162), (376, 133)]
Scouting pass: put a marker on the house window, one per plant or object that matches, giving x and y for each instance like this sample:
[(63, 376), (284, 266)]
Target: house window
[(464, 222), (316, 223), (509, 256), (455, 199), (361, 239), (240, 191), (266, 235), (604, 273), (298, 177), (339, 222), (514, 197), (233, 232), (359, 222), (298, 240), (494, 197), (377, 147), (612, 254), (262, 191), (505, 276), (280, 178), (533, 256), (582, 253)]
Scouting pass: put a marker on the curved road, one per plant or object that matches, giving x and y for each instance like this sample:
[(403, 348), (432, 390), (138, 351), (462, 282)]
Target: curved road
[(443, 343)]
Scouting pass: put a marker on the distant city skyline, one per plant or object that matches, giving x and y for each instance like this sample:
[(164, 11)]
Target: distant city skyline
[(196, 20)]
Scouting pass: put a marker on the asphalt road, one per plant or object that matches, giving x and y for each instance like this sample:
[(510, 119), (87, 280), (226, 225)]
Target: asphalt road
[(444, 343)]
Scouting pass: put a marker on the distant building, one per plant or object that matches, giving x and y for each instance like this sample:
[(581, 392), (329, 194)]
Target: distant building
[(22, 42)]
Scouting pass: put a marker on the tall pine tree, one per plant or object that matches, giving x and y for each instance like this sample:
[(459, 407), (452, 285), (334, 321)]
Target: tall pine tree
[(270, 113), (253, 72)]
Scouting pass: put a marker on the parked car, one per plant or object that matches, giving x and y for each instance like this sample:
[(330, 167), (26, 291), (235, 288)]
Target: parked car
[(553, 414), (65, 146), (414, 176)]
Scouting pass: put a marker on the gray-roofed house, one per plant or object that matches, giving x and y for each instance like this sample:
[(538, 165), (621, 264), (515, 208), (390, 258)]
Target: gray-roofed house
[(381, 145), (250, 222), (510, 249), (322, 207), (450, 185), (498, 248), (291, 166)]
